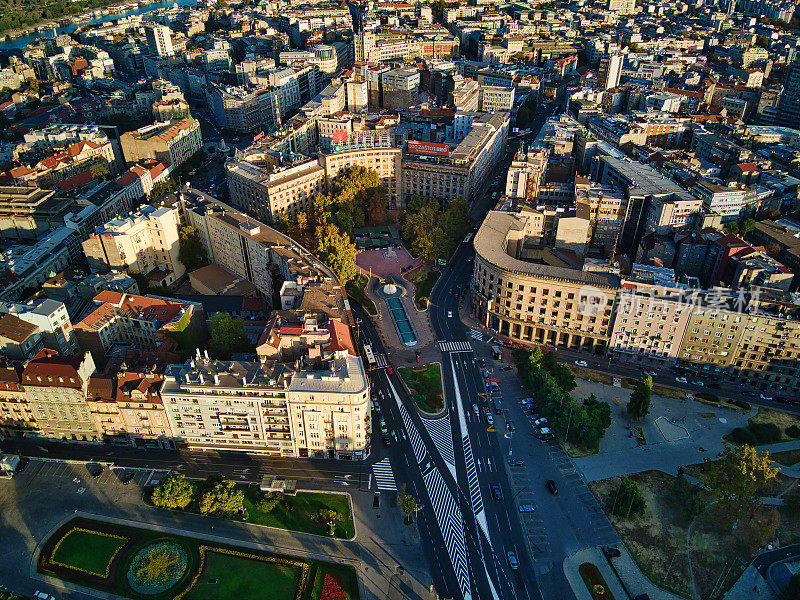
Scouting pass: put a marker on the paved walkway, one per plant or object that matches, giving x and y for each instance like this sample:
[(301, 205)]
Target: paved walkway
[(624, 579), (751, 586)]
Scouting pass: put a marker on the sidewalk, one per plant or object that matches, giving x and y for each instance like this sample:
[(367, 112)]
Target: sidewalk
[(627, 582)]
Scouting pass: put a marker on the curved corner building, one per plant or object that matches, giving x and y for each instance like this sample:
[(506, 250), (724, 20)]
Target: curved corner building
[(536, 303)]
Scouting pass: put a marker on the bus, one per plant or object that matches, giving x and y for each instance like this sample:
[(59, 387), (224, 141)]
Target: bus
[(468, 238), (369, 355)]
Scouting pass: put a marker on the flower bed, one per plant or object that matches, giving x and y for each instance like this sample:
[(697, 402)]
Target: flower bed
[(595, 583), (157, 567)]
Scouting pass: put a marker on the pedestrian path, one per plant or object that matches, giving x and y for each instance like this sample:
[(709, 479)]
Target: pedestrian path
[(442, 435), (476, 335), (451, 524), (455, 346), (384, 476)]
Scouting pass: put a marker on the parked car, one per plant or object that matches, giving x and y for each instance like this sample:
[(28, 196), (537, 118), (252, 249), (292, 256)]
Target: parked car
[(43, 596), (127, 477), (681, 380), (94, 470), (765, 396), (475, 409), (526, 508), (551, 486), (513, 563), (581, 363), (497, 493), (515, 462), (611, 552), (698, 383), (489, 418), (540, 421), (651, 373)]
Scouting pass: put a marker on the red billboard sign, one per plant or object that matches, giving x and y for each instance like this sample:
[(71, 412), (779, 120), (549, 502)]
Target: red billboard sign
[(430, 148)]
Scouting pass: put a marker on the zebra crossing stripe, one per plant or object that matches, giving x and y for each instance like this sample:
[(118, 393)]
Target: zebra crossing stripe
[(380, 360), (476, 335), (472, 477), (451, 524), (384, 476), (416, 441), (442, 436), (455, 347)]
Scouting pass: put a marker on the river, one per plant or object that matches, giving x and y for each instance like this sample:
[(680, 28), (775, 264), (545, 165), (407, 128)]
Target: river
[(23, 41)]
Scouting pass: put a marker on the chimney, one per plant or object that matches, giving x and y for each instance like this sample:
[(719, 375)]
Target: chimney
[(216, 379), (200, 376), (198, 353), (244, 380), (205, 353)]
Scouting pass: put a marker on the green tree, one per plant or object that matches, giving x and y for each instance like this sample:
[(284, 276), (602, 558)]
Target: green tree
[(269, 501), (639, 403), (763, 41), (191, 251), (408, 503), (737, 478), (746, 227), (564, 377), (228, 336), (330, 518), (792, 591), (415, 204), (163, 188), (223, 500), (628, 500), (337, 251), (174, 491)]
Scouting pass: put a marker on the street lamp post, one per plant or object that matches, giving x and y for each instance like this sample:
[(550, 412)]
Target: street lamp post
[(569, 421)]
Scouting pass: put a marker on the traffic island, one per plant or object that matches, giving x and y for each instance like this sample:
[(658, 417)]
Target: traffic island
[(595, 583)]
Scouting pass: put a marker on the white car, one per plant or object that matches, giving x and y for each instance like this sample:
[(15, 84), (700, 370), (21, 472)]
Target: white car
[(43, 596), (526, 508), (581, 363), (475, 409), (698, 383), (449, 313), (540, 421), (489, 419), (681, 380)]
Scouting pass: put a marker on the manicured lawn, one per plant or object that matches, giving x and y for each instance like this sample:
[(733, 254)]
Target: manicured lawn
[(424, 280), (244, 579), (786, 458), (355, 288), (88, 551), (299, 513), (426, 386)]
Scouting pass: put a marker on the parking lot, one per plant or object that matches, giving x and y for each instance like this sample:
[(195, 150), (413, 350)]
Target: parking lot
[(63, 473)]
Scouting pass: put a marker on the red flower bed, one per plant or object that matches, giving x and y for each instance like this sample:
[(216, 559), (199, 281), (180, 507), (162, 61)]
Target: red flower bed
[(331, 590)]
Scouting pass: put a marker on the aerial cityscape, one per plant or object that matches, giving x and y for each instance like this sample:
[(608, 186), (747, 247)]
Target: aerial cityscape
[(388, 300)]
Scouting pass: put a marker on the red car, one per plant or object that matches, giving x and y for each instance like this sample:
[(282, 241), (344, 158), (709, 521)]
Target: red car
[(389, 370)]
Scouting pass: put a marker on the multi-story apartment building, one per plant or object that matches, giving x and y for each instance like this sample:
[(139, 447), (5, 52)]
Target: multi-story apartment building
[(27, 212), (140, 322), (650, 319), (56, 387), (270, 408), (19, 340), (526, 174), (495, 98), (270, 187), (730, 202), (606, 208), (16, 417), (172, 142), (533, 302), (127, 408), (146, 242), (52, 320)]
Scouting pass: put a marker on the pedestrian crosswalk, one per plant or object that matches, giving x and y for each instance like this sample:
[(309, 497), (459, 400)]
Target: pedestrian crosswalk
[(384, 477), (442, 436), (455, 346), (451, 524), (476, 335), (380, 360), (416, 441)]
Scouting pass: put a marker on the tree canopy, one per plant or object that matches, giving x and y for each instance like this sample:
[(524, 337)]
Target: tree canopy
[(222, 500), (639, 403), (408, 504), (191, 251), (430, 232), (228, 336), (737, 478), (174, 491)]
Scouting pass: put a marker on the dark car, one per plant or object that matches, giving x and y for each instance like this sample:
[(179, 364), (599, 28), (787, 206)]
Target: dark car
[(551, 486), (513, 563), (127, 477), (95, 470), (387, 441), (497, 493), (611, 552), (515, 462), (482, 363), (510, 426)]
